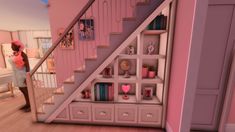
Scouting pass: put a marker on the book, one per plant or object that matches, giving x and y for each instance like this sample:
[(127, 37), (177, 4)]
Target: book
[(106, 92), (159, 23), (111, 92), (97, 92), (101, 87)]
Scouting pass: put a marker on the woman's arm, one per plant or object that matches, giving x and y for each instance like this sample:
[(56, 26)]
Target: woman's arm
[(26, 61)]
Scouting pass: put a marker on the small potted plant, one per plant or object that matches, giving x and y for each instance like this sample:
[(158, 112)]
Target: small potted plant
[(151, 72), (145, 70)]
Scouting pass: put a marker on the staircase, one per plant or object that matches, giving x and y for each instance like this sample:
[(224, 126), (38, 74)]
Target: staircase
[(56, 99)]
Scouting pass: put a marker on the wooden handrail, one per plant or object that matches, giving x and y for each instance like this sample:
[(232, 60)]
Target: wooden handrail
[(57, 42)]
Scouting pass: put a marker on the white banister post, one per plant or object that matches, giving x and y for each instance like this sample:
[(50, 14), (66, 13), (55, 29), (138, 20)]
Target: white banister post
[(31, 96)]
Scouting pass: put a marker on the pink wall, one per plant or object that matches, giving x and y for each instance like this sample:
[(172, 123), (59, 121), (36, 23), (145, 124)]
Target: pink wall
[(5, 37), (231, 117), (15, 35), (181, 45)]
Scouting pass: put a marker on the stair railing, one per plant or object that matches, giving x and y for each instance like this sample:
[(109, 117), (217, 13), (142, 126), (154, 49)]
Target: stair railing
[(38, 92)]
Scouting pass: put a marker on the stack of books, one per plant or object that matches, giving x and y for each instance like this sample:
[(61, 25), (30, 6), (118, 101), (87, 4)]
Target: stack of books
[(104, 92), (159, 23)]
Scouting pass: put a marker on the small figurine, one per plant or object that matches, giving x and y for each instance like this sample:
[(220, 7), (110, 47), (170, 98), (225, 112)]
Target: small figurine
[(86, 94), (150, 48), (107, 72), (130, 50)]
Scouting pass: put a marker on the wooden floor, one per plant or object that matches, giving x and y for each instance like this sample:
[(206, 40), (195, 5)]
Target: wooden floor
[(14, 120)]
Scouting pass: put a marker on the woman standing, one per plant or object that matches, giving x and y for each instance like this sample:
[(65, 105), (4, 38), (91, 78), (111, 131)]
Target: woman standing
[(20, 66)]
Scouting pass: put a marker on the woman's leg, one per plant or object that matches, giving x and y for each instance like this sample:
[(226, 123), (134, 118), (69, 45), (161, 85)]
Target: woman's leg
[(24, 90)]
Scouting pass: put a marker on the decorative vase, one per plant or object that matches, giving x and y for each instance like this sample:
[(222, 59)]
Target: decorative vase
[(145, 72), (151, 74)]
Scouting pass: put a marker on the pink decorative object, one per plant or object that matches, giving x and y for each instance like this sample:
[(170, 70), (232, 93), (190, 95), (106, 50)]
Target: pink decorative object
[(145, 72), (18, 60), (125, 89), (151, 74)]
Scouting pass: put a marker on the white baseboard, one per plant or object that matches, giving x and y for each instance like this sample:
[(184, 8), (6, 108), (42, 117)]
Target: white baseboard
[(168, 127), (230, 128)]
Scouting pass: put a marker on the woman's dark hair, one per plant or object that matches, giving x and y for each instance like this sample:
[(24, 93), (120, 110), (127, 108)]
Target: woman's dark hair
[(15, 47)]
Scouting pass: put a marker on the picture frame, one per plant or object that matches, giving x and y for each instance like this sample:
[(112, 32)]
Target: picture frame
[(148, 93), (86, 29), (68, 41)]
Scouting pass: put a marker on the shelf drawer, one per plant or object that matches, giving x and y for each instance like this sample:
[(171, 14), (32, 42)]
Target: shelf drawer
[(103, 112), (150, 115), (80, 111), (125, 113), (64, 115)]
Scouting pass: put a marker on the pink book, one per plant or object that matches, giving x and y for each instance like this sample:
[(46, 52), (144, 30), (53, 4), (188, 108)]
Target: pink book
[(111, 92)]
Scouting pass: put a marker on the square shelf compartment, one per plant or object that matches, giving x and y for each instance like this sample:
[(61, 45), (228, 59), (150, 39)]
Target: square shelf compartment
[(107, 73), (151, 93), (151, 44), (103, 92), (129, 66), (131, 49), (130, 95), (84, 96), (149, 69)]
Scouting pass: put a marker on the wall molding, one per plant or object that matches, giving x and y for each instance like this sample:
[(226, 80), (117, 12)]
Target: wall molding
[(230, 128), (193, 64), (168, 127)]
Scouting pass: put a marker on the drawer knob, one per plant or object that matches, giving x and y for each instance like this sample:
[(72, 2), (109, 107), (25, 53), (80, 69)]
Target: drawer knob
[(103, 113), (125, 114), (149, 115), (80, 112)]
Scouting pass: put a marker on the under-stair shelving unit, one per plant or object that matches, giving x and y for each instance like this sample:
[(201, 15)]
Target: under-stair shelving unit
[(146, 97), (126, 84)]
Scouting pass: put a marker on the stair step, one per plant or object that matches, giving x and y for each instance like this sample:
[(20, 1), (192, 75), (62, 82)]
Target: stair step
[(40, 110), (114, 39), (102, 46), (59, 91), (91, 64), (129, 19), (80, 69), (50, 101), (128, 25), (93, 58), (69, 80), (142, 3), (142, 9), (115, 33)]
